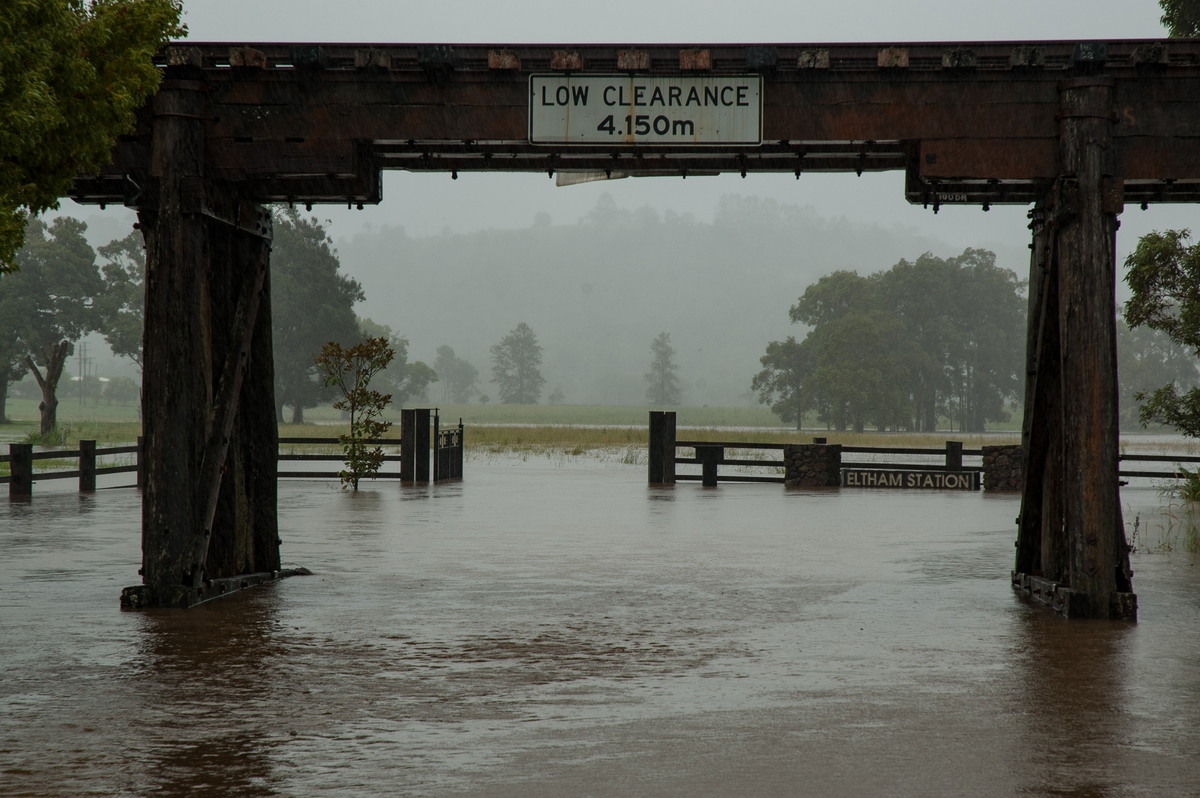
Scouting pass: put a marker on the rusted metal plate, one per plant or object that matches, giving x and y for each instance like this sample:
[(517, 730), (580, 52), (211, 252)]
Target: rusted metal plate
[(989, 159)]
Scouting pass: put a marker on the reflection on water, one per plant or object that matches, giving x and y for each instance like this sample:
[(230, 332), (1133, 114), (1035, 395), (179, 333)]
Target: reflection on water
[(555, 627)]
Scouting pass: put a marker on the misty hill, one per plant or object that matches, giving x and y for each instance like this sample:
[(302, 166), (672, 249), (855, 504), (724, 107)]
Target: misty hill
[(596, 293)]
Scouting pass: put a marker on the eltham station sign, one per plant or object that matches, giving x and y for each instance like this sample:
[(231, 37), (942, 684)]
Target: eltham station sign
[(639, 110), (912, 480)]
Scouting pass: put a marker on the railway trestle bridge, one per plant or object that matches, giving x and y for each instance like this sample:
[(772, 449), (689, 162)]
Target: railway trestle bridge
[(1076, 129)]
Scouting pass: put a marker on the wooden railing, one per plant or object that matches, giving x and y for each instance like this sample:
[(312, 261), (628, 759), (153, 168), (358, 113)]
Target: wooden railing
[(21, 457), (334, 455), (90, 461), (712, 455), (1156, 458)]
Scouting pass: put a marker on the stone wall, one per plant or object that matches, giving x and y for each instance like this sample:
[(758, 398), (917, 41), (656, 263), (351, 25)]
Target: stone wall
[(1002, 469), (812, 465)]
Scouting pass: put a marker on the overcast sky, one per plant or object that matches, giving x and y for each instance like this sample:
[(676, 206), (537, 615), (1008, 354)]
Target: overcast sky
[(668, 21), (427, 204)]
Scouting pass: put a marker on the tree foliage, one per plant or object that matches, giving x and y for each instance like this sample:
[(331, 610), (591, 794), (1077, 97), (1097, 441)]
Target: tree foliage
[(407, 381), (1163, 301), (787, 366), (350, 370), (1181, 18), (459, 378), (516, 367), (662, 379), (52, 301), (927, 339), (122, 304), (1146, 359), (1163, 273), (72, 74), (311, 303)]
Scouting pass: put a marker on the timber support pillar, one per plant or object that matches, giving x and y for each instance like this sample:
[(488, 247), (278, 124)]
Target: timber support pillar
[(209, 509), (1071, 548)]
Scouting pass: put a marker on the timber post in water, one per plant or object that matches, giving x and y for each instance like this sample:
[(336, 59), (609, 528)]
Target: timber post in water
[(1071, 548), (661, 455), (209, 511)]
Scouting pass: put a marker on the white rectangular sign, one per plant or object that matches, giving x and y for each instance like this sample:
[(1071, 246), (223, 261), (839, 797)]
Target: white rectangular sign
[(636, 109)]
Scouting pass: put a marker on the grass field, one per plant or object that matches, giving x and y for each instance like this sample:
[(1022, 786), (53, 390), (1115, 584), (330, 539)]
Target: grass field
[(538, 427), (497, 426)]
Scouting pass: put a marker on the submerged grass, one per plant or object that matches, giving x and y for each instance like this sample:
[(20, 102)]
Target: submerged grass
[(1180, 514)]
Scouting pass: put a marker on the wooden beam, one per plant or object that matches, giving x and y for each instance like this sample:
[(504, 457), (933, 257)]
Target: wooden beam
[(1071, 532)]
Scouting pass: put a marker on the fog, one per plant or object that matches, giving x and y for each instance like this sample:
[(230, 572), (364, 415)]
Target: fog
[(438, 214)]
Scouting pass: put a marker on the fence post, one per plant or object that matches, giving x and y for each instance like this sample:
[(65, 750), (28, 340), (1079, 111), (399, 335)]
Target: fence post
[(408, 452), (954, 455), (87, 466), (438, 471), (20, 463), (661, 455), (460, 451), (709, 456), (414, 446), (421, 447)]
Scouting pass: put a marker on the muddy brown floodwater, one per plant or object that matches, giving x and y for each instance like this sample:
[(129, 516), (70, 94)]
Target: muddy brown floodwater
[(554, 627)]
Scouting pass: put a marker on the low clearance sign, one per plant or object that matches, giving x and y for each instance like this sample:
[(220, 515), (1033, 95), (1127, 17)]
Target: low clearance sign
[(632, 109)]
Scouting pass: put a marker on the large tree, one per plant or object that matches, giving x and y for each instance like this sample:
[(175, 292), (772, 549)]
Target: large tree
[(56, 285), (964, 313), (861, 375), (122, 305), (13, 322), (516, 367), (1147, 359), (927, 339), (72, 74), (1163, 276), (459, 378), (662, 380), (312, 303), (787, 365), (406, 381)]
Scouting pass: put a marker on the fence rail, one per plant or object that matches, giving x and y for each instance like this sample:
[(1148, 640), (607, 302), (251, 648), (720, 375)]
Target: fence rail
[(711, 456), (332, 456), (447, 457), (701, 459), (1155, 458)]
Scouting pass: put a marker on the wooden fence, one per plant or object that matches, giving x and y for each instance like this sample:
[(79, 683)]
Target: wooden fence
[(710, 456), (88, 465), (90, 461)]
